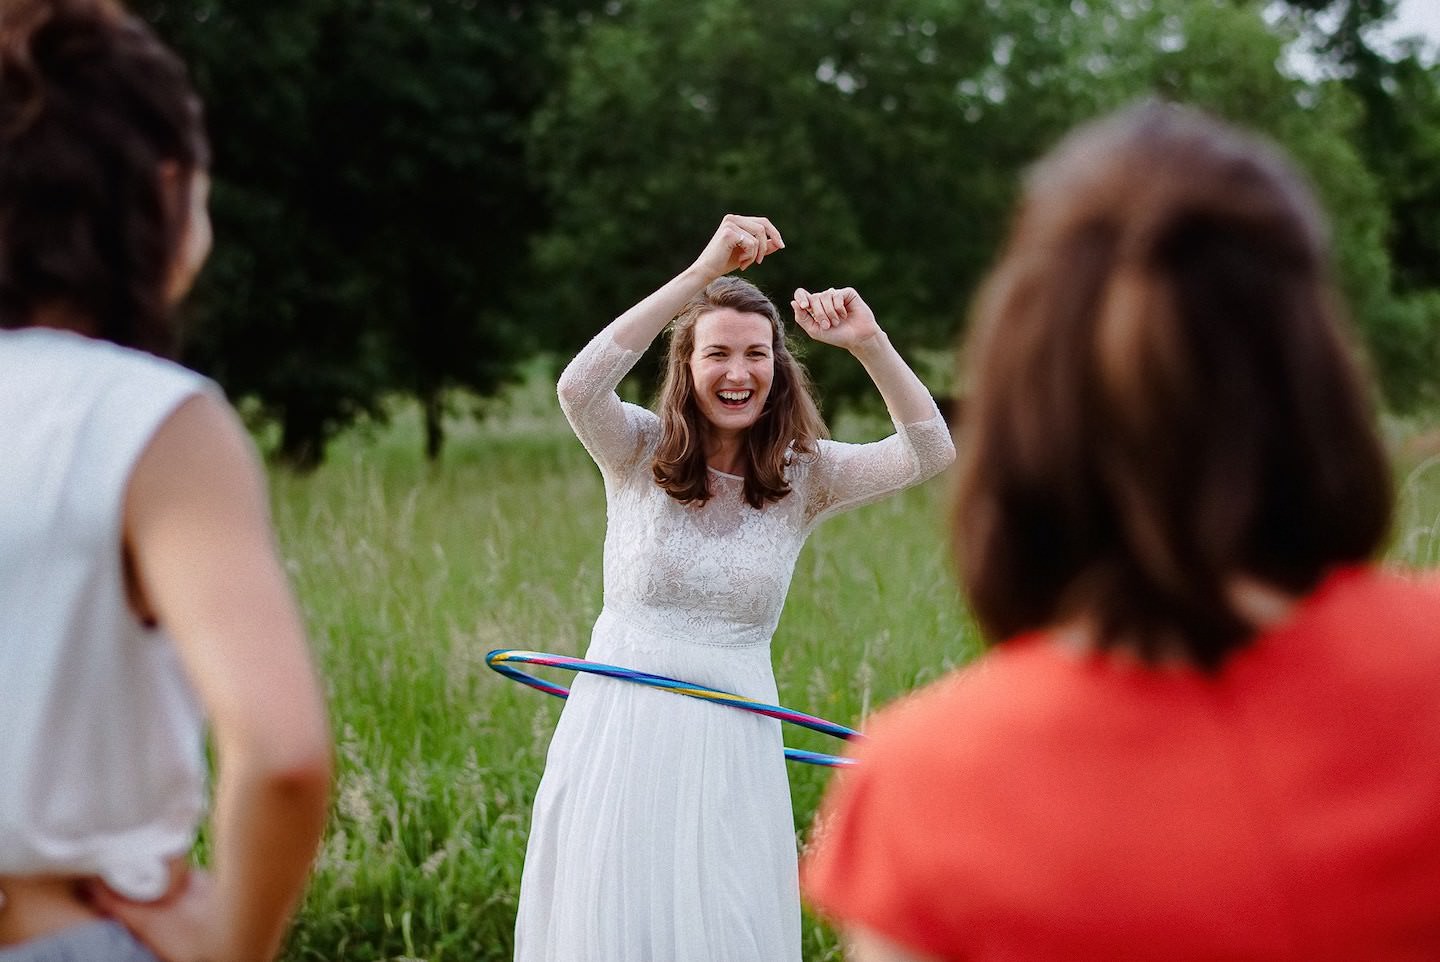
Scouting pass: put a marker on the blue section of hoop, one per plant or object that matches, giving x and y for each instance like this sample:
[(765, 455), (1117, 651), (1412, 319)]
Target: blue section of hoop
[(499, 660)]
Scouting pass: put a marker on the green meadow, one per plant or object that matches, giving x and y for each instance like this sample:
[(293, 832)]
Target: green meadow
[(410, 573)]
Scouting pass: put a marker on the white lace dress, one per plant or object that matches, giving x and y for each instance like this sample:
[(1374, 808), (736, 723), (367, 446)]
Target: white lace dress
[(662, 828)]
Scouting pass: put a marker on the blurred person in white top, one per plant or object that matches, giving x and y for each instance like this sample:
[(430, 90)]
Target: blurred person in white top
[(140, 588)]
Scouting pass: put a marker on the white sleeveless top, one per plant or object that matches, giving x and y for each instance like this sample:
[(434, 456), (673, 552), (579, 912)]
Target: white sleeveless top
[(102, 768)]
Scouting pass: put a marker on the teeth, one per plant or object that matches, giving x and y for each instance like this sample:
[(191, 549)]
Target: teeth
[(735, 395)]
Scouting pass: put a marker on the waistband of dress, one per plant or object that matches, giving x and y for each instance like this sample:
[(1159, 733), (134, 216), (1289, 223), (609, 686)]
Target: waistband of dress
[(644, 621)]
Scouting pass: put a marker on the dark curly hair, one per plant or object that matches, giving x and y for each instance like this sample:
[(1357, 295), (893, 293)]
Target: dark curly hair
[(92, 107)]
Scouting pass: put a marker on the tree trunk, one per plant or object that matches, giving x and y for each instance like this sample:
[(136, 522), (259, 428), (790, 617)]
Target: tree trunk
[(433, 404), (302, 439)]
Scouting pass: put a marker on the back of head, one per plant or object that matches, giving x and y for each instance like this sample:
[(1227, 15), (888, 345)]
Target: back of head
[(1162, 399), (92, 109)]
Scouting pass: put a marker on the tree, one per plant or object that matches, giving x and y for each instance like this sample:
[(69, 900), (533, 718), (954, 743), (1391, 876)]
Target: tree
[(888, 143), (277, 318), (841, 123), (431, 105), (412, 197), (371, 205), (1398, 135)]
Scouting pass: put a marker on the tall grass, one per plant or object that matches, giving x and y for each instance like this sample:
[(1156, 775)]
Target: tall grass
[(1417, 529), (410, 574)]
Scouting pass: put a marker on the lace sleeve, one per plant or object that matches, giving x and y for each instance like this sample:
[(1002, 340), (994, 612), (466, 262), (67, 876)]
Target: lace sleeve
[(612, 431), (848, 475)]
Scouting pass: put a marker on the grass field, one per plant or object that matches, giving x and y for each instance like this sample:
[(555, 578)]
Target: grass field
[(409, 575)]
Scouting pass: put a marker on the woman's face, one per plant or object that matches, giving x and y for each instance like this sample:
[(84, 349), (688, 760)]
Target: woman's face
[(196, 239), (732, 366)]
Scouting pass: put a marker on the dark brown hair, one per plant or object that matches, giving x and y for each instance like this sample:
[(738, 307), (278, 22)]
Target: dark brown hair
[(787, 428), (92, 106), (1161, 395)]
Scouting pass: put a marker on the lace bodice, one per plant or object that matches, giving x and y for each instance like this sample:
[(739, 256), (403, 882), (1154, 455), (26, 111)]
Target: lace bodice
[(717, 573)]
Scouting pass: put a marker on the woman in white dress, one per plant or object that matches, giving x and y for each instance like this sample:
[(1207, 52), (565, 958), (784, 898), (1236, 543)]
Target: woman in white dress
[(662, 828)]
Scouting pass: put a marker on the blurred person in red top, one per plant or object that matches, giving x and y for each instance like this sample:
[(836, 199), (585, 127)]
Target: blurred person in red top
[(1212, 727)]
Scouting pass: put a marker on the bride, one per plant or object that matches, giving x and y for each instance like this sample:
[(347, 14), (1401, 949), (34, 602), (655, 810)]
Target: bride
[(662, 828)]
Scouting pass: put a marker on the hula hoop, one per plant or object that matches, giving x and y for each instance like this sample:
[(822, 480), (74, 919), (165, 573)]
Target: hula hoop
[(503, 660)]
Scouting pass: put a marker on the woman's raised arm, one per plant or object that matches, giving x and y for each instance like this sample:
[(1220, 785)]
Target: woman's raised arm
[(587, 385), (849, 475), (841, 318)]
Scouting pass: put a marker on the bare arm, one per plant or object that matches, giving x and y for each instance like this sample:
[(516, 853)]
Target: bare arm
[(197, 529)]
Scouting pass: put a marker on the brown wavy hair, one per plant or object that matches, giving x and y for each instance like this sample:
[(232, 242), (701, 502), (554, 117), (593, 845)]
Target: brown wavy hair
[(92, 106), (1163, 395), (787, 429)]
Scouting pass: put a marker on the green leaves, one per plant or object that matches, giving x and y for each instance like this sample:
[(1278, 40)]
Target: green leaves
[(415, 198)]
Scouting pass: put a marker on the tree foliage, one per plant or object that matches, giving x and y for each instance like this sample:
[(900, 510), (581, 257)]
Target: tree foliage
[(1397, 135), (888, 142), (413, 196), (879, 138), (371, 202)]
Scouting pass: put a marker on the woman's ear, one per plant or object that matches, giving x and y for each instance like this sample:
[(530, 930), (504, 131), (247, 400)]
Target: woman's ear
[(185, 193)]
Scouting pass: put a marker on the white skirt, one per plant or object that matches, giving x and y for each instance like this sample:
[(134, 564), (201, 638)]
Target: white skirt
[(662, 829)]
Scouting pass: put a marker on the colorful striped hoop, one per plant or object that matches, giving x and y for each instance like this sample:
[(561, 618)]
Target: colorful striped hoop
[(504, 660)]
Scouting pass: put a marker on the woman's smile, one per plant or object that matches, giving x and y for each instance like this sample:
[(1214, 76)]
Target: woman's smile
[(732, 367)]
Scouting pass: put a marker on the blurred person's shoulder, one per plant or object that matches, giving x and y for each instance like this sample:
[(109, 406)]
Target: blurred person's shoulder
[(1370, 600), (1019, 686)]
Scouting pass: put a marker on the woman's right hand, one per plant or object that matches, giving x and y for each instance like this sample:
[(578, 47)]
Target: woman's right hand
[(740, 241), (178, 927)]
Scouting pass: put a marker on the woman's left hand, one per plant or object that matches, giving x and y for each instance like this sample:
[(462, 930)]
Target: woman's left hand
[(839, 317)]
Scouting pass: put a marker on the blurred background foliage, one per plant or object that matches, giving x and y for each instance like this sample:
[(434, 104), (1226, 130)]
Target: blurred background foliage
[(424, 198)]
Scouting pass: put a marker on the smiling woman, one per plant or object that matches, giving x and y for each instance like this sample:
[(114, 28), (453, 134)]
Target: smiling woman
[(633, 850), (734, 397), (731, 367)]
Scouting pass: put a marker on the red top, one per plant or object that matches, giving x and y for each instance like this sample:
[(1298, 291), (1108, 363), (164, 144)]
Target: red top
[(1047, 805)]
